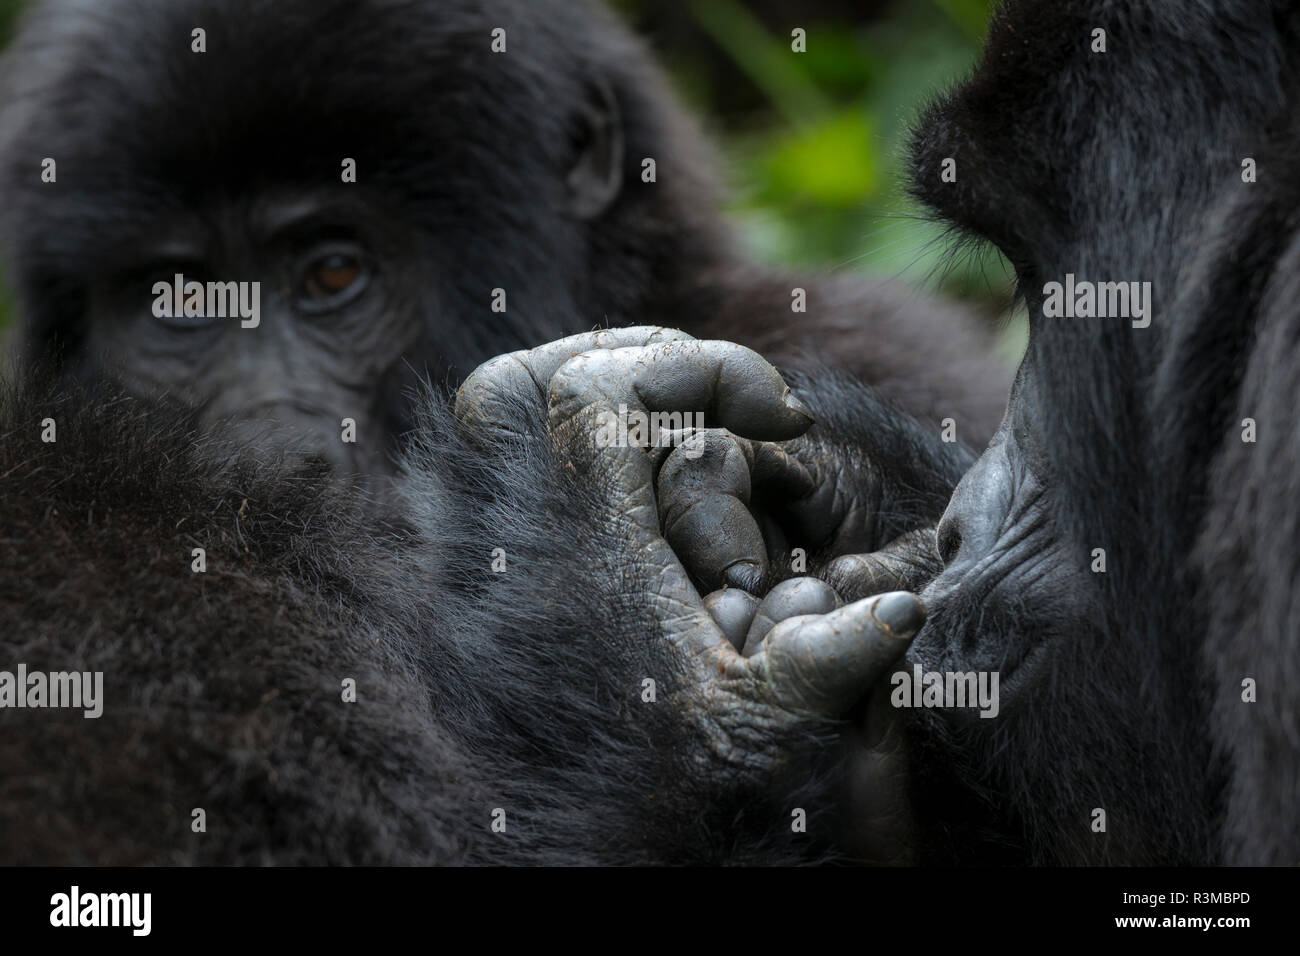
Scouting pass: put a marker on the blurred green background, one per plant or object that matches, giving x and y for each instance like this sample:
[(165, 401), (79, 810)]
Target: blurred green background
[(814, 141)]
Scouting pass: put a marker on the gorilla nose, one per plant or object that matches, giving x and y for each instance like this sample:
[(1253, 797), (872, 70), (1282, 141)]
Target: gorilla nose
[(977, 510)]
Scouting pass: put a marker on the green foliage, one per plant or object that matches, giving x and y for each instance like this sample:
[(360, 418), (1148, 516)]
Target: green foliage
[(820, 170)]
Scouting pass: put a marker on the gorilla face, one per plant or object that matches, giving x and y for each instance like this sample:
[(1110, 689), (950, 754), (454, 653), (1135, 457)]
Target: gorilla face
[(1018, 598), (1013, 580), (407, 200), (338, 296), (1075, 550)]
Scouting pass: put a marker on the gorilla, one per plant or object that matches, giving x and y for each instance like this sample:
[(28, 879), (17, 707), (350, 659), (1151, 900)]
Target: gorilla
[(320, 691), (428, 185), (1165, 445), (1123, 554), (587, 651)]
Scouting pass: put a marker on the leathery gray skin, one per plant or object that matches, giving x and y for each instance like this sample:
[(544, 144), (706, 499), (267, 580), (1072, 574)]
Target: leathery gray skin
[(802, 658)]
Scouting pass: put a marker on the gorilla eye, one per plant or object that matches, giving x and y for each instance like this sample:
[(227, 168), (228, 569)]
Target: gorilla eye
[(332, 276), (331, 280)]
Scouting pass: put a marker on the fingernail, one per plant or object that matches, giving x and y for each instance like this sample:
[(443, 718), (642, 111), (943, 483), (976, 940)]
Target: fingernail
[(795, 404), (901, 613), (745, 575)]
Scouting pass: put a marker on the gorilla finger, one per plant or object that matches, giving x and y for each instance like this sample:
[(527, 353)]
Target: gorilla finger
[(486, 400), (905, 564), (729, 384), (704, 509), (732, 610), (824, 664), (793, 598), (780, 473)]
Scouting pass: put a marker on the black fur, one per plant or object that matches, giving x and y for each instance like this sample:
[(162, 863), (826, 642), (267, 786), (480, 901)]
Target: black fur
[(1127, 166)]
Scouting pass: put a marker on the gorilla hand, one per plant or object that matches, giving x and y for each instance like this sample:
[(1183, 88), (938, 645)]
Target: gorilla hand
[(861, 495), (728, 506), (745, 713), (740, 512)]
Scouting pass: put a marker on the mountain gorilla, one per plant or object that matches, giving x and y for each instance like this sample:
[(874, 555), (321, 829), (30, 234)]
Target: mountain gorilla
[(502, 198), (324, 693), (1124, 553)]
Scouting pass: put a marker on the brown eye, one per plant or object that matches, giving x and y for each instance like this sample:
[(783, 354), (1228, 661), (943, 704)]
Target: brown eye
[(332, 276), (331, 280)]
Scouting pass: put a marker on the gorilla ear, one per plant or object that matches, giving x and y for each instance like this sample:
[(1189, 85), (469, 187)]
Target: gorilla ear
[(596, 176)]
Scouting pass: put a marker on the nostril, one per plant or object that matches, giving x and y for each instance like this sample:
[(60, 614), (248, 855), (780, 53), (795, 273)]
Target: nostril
[(980, 505), (948, 540)]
